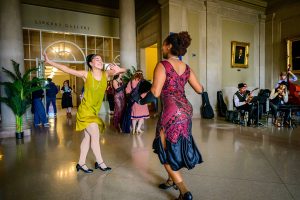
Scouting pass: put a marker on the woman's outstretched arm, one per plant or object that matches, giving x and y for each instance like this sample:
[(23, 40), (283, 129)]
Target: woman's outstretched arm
[(81, 73)]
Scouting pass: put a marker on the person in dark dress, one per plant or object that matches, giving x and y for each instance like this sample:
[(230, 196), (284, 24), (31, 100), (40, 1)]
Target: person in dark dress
[(174, 142), (110, 93), (66, 101), (119, 100)]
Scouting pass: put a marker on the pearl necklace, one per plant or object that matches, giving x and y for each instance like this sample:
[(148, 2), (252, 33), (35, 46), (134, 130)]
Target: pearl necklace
[(174, 57)]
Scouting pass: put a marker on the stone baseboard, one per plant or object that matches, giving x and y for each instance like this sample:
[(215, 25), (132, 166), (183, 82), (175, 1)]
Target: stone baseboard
[(12, 133)]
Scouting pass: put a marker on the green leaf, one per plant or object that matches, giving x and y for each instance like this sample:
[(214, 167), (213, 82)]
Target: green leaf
[(18, 91), (17, 69), (27, 73), (29, 91), (10, 74)]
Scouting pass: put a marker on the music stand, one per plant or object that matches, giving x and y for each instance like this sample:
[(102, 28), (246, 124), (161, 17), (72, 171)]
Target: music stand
[(258, 100)]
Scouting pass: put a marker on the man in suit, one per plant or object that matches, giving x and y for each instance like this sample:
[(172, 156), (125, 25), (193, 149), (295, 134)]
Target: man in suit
[(240, 55)]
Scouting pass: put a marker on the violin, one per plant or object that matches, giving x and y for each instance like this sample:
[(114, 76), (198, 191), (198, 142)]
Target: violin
[(281, 93), (249, 95)]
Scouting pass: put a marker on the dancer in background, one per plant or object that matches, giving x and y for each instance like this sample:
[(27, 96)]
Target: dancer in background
[(110, 94), (138, 112), (119, 101), (87, 115), (174, 142)]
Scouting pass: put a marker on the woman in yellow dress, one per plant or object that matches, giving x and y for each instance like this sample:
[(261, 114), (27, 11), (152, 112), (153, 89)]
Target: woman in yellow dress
[(87, 115)]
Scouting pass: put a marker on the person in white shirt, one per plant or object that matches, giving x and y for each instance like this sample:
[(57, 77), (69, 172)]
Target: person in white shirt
[(242, 101), (283, 78)]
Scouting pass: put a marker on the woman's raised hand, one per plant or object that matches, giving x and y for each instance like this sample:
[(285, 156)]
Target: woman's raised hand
[(115, 68), (45, 57)]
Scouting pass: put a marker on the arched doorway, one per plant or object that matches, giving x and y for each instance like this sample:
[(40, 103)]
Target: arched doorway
[(71, 55), (69, 49)]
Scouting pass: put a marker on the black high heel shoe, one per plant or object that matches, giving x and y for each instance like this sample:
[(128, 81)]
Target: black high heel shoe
[(97, 166), (78, 167), (185, 196)]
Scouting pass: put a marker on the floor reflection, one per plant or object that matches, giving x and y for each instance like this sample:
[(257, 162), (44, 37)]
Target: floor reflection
[(42, 166)]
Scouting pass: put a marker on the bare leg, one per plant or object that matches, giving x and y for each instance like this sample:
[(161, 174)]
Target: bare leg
[(140, 123), (134, 121), (93, 131), (174, 175), (84, 148)]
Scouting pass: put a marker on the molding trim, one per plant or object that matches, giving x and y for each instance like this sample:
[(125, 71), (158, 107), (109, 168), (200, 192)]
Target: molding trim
[(74, 6), (254, 4)]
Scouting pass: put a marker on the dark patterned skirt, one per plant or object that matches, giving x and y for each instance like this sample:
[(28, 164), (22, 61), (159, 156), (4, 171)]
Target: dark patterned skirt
[(182, 154), (66, 100), (126, 119)]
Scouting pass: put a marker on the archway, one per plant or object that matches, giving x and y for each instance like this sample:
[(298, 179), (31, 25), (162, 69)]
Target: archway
[(71, 55)]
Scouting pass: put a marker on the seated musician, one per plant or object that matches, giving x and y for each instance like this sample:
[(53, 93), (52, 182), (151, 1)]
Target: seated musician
[(283, 77), (279, 96), (242, 101)]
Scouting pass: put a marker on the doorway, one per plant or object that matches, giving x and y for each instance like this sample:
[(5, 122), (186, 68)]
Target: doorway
[(149, 59)]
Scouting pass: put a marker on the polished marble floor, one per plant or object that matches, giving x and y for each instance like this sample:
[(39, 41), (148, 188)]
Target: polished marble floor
[(240, 163)]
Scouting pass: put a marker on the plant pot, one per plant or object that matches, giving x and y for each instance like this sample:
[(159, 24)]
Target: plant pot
[(19, 135)]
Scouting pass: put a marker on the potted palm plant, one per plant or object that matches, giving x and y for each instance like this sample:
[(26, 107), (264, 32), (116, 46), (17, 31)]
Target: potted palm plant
[(18, 94)]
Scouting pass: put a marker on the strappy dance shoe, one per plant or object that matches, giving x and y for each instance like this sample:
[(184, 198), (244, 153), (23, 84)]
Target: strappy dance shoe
[(185, 196), (78, 167), (97, 166)]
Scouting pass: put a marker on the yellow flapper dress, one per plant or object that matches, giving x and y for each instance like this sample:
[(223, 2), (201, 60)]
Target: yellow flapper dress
[(91, 103)]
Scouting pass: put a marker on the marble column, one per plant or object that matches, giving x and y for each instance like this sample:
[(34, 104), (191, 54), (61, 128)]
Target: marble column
[(11, 48), (127, 33)]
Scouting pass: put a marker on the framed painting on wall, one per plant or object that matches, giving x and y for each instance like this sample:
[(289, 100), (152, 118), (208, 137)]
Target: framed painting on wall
[(293, 54), (239, 54)]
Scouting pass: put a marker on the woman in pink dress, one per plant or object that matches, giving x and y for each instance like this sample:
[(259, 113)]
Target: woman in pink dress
[(174, 142), (138, 112)]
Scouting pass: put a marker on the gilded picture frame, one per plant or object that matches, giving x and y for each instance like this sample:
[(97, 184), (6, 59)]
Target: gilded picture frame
[(293, 54), (239, 54)]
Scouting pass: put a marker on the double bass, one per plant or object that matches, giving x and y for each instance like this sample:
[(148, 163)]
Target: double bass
[(294, 90)]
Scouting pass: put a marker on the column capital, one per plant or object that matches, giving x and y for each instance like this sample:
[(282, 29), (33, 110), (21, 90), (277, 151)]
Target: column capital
[(163, 2)]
